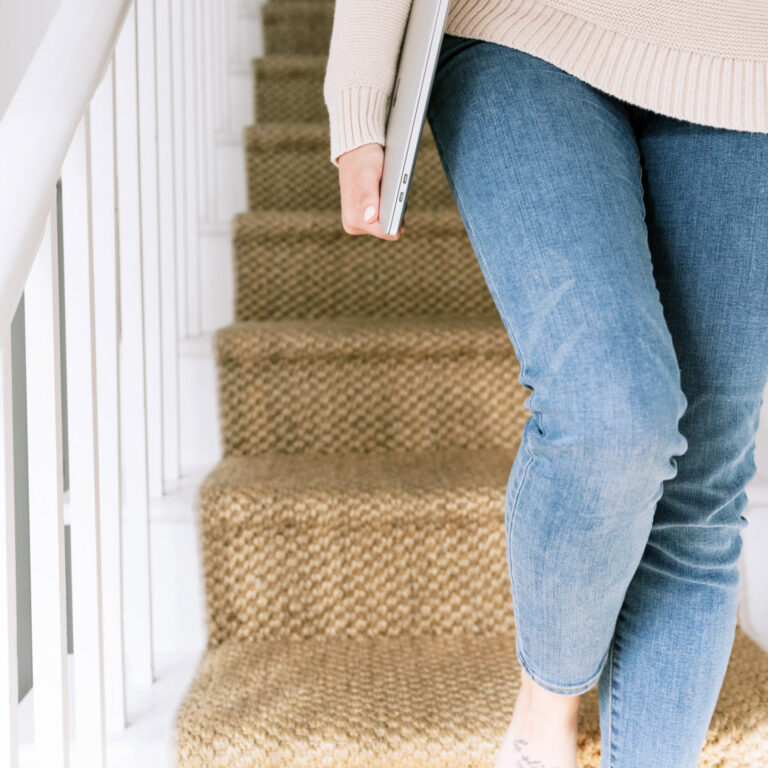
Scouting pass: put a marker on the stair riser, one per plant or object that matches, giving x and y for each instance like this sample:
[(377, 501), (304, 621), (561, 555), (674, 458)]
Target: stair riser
[(315, 271), (298, 582), (303, 178), (369, 404), (297, 27), (289, 97)]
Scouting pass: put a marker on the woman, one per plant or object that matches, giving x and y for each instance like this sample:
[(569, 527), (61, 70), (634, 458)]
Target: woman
[(610, 163)]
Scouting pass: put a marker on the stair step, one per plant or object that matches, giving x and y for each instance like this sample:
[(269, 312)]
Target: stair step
[(289, 88), (356, 544), (294, 264), (298, 26), (289, 168), (409, 702), (365, 385)]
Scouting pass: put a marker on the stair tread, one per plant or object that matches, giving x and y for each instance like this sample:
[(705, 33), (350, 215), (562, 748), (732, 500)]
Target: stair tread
[(437, 475), (304, 264), (368, 384), (419, 335), (291, 62), (409, 700), (272, 7), (266, 222), (289, 135), (316, 544)]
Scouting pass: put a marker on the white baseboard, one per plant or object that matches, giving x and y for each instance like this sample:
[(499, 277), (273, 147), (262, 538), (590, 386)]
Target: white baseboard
[(241, 91), (149, 740), (250, 34), (198, 405), (217, 283), (231, 181), (178, 597)]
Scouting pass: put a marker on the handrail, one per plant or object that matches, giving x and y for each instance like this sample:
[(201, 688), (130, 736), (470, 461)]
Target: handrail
[(38, 125)]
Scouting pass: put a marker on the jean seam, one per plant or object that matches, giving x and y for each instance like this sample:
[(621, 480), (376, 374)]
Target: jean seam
[(512, 515), (575, 689), (612, 697)]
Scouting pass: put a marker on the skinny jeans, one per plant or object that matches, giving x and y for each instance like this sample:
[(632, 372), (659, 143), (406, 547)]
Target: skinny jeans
[(627, 255)]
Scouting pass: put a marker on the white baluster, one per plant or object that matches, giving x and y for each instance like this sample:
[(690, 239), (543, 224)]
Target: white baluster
[(181, 130), (204, 111), (150, 233), (106, 310), (83, 451), (168, 232), (216, 103), (46, 521), (192, 73), (133, 416), (224, 57), (9, 668)]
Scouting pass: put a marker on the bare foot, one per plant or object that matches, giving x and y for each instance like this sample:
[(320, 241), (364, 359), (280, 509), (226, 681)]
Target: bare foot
[(543, 730)]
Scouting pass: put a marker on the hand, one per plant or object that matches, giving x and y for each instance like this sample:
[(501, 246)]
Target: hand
[(360, 172)]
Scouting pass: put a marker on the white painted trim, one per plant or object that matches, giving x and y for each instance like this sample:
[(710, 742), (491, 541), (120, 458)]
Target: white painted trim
[(150, 740), (193, 166), (85, 531), (46, 521), (230, 138), (9, 667), (150, 240), (60, 81), (184, 241), (133, 411), (168, 241), (216, 228), (106, 309)]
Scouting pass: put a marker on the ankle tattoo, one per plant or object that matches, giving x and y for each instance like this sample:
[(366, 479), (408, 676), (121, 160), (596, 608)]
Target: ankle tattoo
[(523, 761)]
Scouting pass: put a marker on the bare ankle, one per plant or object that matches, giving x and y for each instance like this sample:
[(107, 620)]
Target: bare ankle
[(543, 731), (539, 703)]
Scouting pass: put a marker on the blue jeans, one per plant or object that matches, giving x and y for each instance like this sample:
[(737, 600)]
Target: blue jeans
[(627, 255)]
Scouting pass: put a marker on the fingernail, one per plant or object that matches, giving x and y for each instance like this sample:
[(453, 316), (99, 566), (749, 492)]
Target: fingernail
[(369, 211)]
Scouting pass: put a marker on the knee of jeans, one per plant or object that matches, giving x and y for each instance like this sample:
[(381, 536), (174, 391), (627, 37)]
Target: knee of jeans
[(629, 424), (699, 552)]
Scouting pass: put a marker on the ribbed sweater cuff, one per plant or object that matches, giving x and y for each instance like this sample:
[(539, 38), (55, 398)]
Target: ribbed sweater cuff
[(357, 116)]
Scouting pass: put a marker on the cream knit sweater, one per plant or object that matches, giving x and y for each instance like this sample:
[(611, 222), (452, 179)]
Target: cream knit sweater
[(700, 60)]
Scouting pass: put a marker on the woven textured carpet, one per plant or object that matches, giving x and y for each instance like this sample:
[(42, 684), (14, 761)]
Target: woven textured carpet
[(352, 538), (407, 702)]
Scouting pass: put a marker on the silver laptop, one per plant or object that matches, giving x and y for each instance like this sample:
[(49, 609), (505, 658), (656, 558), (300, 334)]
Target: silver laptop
[(408, 106)]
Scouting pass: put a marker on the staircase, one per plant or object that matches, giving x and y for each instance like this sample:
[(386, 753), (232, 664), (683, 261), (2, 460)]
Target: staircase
[(353, 545)]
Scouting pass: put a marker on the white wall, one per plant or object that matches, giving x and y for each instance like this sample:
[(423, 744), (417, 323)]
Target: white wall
[(22, 25)]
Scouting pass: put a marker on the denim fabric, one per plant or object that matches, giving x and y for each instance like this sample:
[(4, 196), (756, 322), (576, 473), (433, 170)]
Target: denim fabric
[(627, 254)]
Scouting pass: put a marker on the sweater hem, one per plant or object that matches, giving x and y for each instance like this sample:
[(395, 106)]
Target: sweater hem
[(707, 89)]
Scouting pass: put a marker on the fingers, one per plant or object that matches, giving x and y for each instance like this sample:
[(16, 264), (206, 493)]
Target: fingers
[(360, 180)]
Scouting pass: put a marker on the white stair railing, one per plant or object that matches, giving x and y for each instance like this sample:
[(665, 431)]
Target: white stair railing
[(117, 105), (77, 214), (9, 688), (106, 319), (46, 501)]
